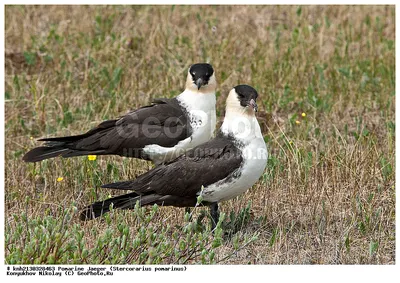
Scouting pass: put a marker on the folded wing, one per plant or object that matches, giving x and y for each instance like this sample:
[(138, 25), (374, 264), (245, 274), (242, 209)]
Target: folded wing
[(177, 183), (163, 123)]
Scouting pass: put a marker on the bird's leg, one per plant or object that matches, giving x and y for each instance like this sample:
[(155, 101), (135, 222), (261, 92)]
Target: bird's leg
[(214, 215)]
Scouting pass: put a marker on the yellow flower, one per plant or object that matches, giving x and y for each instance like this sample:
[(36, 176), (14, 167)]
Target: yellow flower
[(290, 142), (303, 114), (59, 179), (92, 157), (31, 138), (297, 122)]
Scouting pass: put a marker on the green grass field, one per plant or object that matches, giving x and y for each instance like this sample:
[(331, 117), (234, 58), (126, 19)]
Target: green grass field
[(327, 195)]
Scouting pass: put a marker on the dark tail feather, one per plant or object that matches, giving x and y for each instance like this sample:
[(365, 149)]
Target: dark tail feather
[(127, 185), (44, 152), (65, 146), (127, 201), (106, 125), (99, 208), (63, 139)]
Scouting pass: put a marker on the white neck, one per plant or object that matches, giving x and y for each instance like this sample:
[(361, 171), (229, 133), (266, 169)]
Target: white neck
[(197, 101), (240, 121), (242, 127)]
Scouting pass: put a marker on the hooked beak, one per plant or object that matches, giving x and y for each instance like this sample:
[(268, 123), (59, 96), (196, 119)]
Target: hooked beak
[(253, 104), (199, 83)]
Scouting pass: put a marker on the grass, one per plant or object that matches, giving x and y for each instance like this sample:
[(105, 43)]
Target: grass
[(327, 195)]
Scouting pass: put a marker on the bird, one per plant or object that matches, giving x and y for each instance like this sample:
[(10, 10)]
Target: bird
[(158, 132), (218, 170)]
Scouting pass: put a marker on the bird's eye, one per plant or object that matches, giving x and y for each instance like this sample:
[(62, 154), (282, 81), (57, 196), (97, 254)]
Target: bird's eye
[(194, 73)]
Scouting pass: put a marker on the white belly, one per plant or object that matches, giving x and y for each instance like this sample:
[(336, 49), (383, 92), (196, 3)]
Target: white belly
[(255, 159)]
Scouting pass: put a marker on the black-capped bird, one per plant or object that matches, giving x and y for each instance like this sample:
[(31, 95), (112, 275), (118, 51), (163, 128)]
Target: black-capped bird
[(224, 167), (158, 132)]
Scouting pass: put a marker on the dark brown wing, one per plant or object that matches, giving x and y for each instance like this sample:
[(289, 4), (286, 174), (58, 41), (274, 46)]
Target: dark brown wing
[(178, 182), (202, 166), (163, 123)]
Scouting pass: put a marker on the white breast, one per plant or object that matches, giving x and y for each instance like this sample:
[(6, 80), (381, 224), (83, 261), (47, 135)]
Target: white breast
[(255, 157), (254, 154), (202, 118), (201, 108)]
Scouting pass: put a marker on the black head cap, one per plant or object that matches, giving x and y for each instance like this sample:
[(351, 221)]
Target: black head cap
[(201, 74), (247, 96)]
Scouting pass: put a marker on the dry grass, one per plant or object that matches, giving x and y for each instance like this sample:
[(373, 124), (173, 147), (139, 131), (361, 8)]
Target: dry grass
[(327, 196)]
